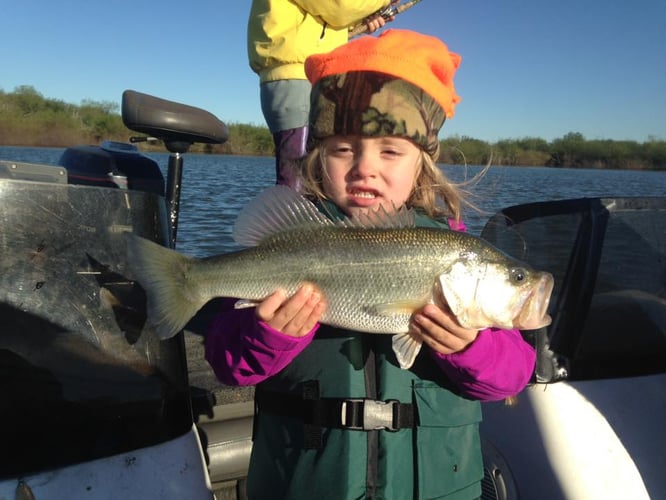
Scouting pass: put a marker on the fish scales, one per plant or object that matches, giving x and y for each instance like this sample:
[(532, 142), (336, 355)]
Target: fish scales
[(356, 270)]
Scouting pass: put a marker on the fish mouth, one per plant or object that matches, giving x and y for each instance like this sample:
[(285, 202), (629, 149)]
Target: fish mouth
[(535, 311)]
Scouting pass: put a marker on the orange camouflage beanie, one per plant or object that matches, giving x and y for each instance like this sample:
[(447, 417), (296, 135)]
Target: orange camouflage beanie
[(399, 83)]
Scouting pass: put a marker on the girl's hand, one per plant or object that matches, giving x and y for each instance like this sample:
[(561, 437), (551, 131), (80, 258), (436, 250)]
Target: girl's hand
[(295, 316), (437, 327)]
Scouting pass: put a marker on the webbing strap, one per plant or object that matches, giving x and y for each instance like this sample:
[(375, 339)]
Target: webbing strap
[(342, 413)]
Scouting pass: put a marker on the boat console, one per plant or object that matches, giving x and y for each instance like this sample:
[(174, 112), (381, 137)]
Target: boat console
[(88, 389)]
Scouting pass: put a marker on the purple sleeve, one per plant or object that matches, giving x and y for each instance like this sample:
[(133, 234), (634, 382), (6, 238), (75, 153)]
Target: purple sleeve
[(498, 364), (244, 351)]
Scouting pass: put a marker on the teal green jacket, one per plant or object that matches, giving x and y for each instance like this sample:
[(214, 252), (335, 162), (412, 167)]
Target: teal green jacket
[(439, 457)]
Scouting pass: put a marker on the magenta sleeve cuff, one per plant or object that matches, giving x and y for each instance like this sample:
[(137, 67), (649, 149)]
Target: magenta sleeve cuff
[(498, 364), (244, 351)]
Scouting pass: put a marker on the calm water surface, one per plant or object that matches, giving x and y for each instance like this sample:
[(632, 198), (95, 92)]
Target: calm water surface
[(215, 187)]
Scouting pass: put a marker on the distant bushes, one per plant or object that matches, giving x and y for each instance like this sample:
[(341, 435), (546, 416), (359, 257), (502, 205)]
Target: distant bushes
[(248, 140), (29, 119), (572, 150)]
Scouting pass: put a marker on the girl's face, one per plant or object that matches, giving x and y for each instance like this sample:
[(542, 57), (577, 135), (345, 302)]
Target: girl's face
[(363, 173)]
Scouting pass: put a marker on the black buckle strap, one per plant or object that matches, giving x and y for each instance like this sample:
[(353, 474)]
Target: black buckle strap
[(352, 413)]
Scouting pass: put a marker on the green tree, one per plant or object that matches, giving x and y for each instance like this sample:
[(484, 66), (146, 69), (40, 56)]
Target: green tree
[(26, 99), (464, 150), (566, 150)]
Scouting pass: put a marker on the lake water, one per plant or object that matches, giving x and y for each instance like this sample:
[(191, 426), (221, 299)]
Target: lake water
[(215, 187)]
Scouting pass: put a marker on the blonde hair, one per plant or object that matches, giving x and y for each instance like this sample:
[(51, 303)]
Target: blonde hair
[(432, 192)]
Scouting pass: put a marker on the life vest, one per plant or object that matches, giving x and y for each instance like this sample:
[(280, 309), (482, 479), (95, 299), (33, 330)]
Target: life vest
[(438, 456)]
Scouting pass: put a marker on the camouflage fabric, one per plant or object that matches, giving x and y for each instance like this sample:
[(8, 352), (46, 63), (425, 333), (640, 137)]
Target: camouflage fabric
[(374, 104)]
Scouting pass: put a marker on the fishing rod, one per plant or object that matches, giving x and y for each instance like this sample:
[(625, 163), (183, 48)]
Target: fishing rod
[(387, 13)]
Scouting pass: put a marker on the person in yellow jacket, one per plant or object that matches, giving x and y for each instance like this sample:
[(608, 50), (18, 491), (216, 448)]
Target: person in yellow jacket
[(281, 34)]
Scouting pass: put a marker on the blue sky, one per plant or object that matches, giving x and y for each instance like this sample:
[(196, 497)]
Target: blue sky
[(530, 68)]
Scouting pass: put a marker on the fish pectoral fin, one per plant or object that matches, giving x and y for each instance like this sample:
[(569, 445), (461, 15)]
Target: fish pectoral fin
[(245, 304), (400, 307), (406, 348)]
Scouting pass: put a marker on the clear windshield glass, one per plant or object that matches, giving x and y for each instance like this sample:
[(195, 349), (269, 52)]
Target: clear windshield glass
[(608, 258), (81, 375)]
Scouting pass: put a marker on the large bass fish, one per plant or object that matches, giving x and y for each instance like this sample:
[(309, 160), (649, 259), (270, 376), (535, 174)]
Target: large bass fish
[(374, 272)]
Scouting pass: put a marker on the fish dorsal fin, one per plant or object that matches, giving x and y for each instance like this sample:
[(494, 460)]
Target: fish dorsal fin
[(279, 208), (273, 210), (381, 218)]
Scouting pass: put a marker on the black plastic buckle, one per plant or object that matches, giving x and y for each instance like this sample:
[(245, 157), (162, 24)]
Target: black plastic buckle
[(377, 415)]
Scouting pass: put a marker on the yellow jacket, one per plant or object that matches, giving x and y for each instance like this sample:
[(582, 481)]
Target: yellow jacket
[(281, 34)]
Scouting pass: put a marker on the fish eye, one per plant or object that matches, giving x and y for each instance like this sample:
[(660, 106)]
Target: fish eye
[(518, 275)]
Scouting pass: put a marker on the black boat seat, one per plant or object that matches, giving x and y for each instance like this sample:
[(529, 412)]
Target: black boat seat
[(171, 121)]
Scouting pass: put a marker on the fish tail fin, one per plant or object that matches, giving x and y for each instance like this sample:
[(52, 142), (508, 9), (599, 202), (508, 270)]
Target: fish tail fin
[(406, 348), (162, 273)]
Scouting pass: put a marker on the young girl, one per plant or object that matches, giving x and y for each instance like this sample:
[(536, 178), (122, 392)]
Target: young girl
[(336, 416)]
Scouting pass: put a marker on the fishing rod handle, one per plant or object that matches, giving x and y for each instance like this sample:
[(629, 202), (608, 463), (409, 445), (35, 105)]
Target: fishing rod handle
[(388, 13)]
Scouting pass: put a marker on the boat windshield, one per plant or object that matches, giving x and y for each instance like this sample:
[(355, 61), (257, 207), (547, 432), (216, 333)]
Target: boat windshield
[(82, 376), (608, 258)]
